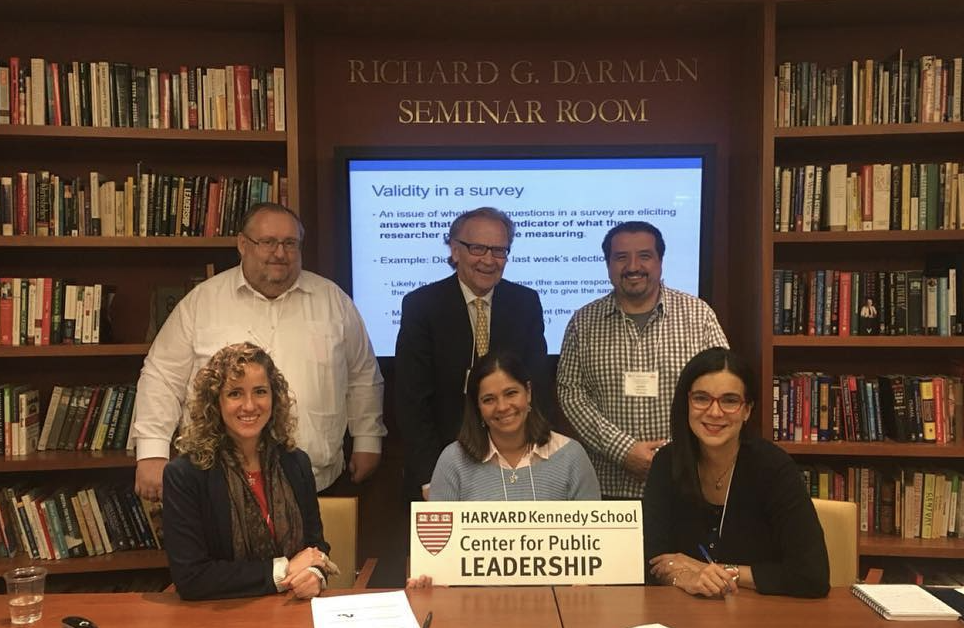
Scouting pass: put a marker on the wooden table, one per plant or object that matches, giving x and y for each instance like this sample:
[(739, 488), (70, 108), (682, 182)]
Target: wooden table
[(506, 607), (622, 607), (477, 607)]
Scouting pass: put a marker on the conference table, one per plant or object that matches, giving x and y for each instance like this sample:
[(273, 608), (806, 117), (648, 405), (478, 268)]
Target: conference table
[(472, 607)]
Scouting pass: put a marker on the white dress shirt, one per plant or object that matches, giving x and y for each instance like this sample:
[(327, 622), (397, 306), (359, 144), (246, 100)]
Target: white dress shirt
[(317, 340)]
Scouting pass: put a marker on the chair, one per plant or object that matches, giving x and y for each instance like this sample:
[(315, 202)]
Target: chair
[(839, 522), (339, 516)]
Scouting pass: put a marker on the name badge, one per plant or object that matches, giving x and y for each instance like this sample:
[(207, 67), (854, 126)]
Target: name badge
[(641, 383)]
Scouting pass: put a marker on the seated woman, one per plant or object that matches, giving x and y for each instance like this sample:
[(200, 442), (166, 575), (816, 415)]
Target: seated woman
[(505, 450), (724, 509), (240, 511)]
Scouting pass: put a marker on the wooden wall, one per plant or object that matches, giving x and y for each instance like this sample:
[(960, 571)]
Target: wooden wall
[(722, 107)]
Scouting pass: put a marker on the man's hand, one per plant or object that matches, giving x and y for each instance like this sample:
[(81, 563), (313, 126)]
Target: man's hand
[(362, 465), (640, 456), (149, 479), (425, 490)]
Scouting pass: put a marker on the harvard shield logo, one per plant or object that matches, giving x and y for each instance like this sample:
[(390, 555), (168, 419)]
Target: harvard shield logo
[(434, 530)]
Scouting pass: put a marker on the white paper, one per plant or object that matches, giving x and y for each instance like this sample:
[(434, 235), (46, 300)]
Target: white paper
[(651, 626), (371, 610)]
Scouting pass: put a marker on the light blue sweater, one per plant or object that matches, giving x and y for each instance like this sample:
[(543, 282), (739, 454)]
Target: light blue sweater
[(566, 474)]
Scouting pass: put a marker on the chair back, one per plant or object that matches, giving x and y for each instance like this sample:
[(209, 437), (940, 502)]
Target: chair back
[(839, 522), (339, 516)]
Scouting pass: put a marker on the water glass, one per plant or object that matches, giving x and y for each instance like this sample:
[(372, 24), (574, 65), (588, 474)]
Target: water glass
[(25, 591)]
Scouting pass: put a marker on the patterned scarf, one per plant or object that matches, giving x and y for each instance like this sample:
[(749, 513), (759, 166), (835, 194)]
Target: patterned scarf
[(250, 536)]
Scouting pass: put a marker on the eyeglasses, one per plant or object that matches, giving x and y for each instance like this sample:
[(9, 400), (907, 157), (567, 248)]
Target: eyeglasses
[(729, 402), (270, 245), (500, 252)]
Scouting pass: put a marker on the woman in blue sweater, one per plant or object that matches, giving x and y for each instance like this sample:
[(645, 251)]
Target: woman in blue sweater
[(505, 450)]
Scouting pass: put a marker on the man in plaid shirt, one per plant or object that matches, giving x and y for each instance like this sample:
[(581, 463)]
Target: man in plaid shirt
[(621, 357)]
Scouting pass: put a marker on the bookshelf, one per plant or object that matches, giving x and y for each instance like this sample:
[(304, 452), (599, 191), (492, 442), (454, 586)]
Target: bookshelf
[(832, 34), (166, 35)]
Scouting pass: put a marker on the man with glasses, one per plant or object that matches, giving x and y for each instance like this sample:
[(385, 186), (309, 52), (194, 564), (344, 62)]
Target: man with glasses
[(621, 357), (447, 325), (307, 324)]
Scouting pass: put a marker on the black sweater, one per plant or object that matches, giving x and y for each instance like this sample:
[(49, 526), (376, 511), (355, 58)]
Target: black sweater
[(770, 523)]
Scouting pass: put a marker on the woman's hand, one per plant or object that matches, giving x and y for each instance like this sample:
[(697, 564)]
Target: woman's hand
[(666, 566), (422, 582), (311, 557), (306, 584), (710, 581)]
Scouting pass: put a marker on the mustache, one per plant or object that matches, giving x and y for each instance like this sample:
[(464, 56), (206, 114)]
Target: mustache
[(634, 274)]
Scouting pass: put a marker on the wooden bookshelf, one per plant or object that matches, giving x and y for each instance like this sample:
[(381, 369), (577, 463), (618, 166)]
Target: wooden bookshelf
[(886, 545), (142, 135), (116, 561), (869, 342), (831, 34), (873, 237), (166, 35), (75, 351), (69, 460), (118, 242), (921, 130), (888, 449)]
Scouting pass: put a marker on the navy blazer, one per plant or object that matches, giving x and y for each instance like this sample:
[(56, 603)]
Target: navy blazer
[(197, 529), (435, 349)]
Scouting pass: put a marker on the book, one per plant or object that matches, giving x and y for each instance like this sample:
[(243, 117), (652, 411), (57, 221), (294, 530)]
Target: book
[(903, 602)]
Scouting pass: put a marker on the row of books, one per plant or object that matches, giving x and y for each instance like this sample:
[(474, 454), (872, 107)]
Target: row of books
[(868, 197), (91, 418), (144, 204), (912, 503), (46, 311), (19, 419), (891, 91), (812, 407), (48, 524), (117, 94), (871, 302)]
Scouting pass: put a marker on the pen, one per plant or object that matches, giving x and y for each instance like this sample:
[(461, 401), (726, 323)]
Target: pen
[(428, 620), (705, 554), (710, 560)]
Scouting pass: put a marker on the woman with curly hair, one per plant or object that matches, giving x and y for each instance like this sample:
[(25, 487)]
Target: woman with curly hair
[(240, 512)]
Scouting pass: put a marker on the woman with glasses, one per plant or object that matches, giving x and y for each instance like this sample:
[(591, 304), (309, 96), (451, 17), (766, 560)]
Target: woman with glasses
[(724, 509), (240, 509)]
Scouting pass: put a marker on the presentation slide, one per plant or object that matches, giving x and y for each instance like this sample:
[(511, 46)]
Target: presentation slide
[(400, 211)]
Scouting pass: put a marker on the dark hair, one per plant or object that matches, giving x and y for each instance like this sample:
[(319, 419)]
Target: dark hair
[(633, 226), (277, 208), (474, 435), (686, 449), (489, 213)]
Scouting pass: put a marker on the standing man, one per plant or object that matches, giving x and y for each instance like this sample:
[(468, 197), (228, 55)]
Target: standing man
[(447, 325), (307, 324), (621, 357)]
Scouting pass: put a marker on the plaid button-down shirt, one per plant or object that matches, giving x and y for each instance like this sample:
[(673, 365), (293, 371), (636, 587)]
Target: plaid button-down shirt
[(601, 345)]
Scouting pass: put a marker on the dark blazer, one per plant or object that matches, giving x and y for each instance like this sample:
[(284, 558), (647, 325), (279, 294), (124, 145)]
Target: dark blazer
[(434, 351), (197, 529), (770, 523)]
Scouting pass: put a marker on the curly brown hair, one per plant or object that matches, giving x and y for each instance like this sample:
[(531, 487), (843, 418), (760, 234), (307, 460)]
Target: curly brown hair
[(203, 436)]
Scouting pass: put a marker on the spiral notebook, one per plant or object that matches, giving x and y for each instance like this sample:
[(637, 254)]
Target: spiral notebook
[(903, 602)]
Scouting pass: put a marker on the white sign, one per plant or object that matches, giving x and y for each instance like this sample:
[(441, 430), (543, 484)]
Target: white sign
[(540, 542)]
